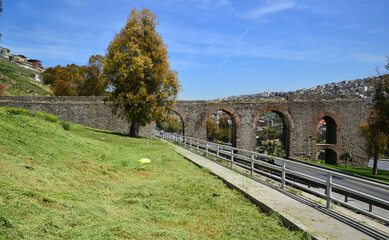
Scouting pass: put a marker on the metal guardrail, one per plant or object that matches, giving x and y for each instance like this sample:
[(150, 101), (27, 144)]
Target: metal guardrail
[(254, 159)]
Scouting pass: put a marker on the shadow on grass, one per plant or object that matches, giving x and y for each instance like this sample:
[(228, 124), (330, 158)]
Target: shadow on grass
[(113, 133)]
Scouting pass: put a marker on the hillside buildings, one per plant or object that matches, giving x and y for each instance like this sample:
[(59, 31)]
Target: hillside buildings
[(21, 60)]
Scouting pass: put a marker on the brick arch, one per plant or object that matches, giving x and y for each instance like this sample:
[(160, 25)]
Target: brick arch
[(281, 111), (335, 115), (339, 123), (234, 115), (332, 154), (180, 113), (286, 119)]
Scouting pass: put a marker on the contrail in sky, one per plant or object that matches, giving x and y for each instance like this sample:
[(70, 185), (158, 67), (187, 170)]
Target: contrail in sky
[(244, 33)]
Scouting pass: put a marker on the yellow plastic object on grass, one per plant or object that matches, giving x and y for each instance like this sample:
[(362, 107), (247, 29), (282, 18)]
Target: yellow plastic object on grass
[(144, 160)]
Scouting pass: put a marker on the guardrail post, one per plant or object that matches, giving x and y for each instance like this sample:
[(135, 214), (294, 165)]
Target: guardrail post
[(217, 153), (252, 164), (283, 174), (190, 143), (232, 157), (329, 189), (206, 149), (198, 144)]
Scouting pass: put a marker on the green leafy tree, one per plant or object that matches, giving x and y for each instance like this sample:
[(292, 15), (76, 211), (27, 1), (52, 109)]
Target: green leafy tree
[(66, 81), (376, 141), (137, 70), (376, 130), (171, 123), (225, 128), (346, 157), (381, 101), (212, 128), (272, 148), (94, 83), (51, 74)]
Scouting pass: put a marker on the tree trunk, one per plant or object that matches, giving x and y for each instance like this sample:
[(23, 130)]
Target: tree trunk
[(134, 129), (375, 164)]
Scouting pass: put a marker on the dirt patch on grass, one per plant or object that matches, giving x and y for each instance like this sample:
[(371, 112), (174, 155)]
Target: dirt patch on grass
[(144, 173)]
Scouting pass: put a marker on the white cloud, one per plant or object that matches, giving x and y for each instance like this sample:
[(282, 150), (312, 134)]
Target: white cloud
[(272, 7), (366, 57)]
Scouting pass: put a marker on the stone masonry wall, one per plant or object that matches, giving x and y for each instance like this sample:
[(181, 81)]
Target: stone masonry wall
[(300, 116), (88, 111)]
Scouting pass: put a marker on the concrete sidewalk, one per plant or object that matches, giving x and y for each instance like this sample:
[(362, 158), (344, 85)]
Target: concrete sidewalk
[(302, 211)]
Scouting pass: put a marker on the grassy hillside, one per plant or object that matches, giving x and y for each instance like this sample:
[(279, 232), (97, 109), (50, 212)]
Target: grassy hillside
[(88, 184), (19, 81)]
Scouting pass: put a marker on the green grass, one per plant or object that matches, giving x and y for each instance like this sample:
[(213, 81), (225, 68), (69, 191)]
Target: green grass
[(83, 183), (18, 81), (383, 175)]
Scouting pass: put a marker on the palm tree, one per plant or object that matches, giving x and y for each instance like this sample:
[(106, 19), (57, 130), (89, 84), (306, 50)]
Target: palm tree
[(272, 148)]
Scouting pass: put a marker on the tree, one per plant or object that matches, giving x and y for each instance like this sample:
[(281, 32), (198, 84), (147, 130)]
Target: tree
[(50, 75), (272, 148), (66, 81), (137, 70), (376, 141), (212, 128), (376, 130), (94, 83), (225, 128), (346, 157), (171, 123), (381, 101)]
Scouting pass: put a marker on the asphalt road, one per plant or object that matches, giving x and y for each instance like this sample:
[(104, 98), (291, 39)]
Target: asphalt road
[(382, 164), (349, 183)]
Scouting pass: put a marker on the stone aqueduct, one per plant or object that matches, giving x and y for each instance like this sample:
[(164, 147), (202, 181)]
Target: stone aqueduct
[(300, 116)]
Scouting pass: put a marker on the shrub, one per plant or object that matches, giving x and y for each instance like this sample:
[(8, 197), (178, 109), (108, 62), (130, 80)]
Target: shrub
[(2, 89), (65, 125), (20, 111), (50, 117)]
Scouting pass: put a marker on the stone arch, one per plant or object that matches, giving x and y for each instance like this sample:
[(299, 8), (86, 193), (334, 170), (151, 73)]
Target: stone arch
[(286, 120), (331, 156), (333, 123), (281, 111), (230, 111), (234, 115), (182, 115)]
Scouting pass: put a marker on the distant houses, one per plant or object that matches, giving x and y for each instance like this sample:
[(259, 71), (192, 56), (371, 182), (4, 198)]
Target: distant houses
[(361, 88), (36, 64), (21, 60)]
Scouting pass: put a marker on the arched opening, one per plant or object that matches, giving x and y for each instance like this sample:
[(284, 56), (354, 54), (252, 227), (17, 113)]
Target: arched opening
[(173, 123), (272, 134), (269, 135), (221, 128), (328, 156), (326, 131)]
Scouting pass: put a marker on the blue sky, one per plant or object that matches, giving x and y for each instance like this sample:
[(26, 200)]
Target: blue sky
[(219, 47)]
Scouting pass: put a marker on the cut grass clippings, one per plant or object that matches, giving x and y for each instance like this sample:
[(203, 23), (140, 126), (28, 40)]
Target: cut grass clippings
[(83, 183)]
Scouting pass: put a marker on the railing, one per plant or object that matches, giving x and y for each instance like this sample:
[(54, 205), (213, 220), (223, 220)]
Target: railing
[(250, 161)]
